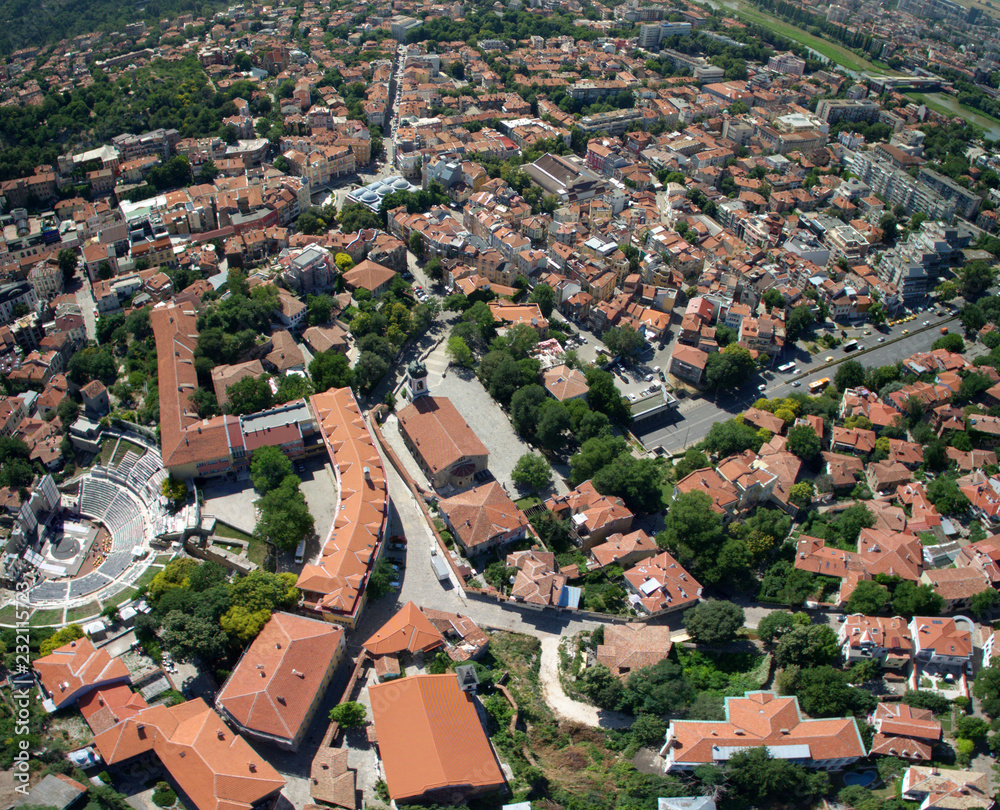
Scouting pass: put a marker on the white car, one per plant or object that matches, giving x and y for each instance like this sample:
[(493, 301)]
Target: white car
[(649, 378), (762, 387), (632, 397)]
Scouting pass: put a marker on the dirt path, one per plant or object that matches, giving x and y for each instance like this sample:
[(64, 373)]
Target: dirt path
[(564, 706)]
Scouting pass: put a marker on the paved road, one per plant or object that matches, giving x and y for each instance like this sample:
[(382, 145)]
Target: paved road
[(695, 417)]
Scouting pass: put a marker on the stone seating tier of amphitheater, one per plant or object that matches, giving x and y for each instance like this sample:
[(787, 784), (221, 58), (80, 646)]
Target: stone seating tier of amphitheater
[(122, 502)]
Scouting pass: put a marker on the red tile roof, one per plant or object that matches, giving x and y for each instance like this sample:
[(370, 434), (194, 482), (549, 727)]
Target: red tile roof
[(216, 768), (759, 719), (430, 737), (273, 687), (72, 670), (407, 631), (348, 555)]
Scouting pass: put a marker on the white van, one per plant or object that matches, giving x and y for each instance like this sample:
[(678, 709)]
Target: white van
[(300, 553)]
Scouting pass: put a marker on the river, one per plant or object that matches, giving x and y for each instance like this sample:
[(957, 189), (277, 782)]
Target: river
[(950, 103)]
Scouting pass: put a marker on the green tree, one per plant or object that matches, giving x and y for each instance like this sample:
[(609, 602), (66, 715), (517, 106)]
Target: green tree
[(986, 688), (67, 259), (331, 369), (777, 623), (910, 599), (825, 692), (60, 638), (714, 621), (850, 374), (459, 352), (972, 317), (380, 582), (285, 520), (249, 395), (728, 437), (730, 368), (868, 598), (803, 442), (693, 531), (635, 481), (975, 277), (756, 778), (807, 646), (984, 603), (553, 424), (269, 467), (544, 296), (972, 728), (188, 636), (532, 471), (944, 493), (349, 714), (416, 244), (950, 343), (799, 320), (594, 455), (174, 489), (623, 341), (525, 409), (605, 397), (243, 624), (801, 494)]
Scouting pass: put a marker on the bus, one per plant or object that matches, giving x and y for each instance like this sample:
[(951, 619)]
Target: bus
[(787, 367), (818, 385), (850, 346)]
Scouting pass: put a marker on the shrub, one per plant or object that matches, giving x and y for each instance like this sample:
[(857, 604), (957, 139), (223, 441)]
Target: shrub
[(163, 795)]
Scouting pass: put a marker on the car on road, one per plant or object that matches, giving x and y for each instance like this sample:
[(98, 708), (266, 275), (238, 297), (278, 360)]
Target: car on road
[(906, 331), (632, 397), (927, 323), (829, 358), (796, 384), (762, 387), (881, 340)]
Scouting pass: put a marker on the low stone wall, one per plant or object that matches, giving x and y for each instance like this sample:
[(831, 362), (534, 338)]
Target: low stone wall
[(234, 562)]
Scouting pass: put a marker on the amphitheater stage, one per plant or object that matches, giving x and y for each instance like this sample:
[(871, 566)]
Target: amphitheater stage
[(67, 548)]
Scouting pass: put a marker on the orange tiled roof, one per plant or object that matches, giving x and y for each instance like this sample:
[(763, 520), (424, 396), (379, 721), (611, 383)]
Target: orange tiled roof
[(763, 718), (430, 737), (276, 680), (482, 513), (408, 630), (348, 555), (216, 768), (439, 432), (629, 647), (71, 670)]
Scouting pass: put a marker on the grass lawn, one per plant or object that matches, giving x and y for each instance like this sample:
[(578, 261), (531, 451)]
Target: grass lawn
[(162, 559), (107, 448), (232, 548), (123, 447), (526, 503), (78, 614), (836, 53), (44, 617), (147, 576), (121, 597), (8, 615), (225, 530), (257, 551)]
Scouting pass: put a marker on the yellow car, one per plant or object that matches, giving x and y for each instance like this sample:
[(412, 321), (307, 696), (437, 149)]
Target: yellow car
[(906, 331), (829, 359)]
